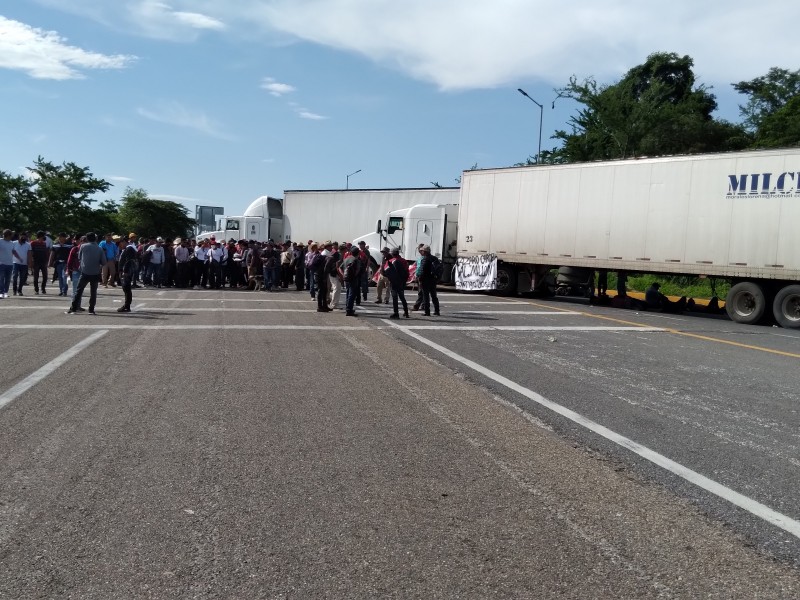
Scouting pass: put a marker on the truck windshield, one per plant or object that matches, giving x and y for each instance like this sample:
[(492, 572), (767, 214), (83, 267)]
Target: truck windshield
[(232, 224), (395, 224)]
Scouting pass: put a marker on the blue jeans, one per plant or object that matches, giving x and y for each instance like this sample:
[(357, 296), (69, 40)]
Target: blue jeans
[(267, 278), (5, 277), (156, 273), (312, 282), (20, 277), (352, 291), (76, 277), (61, 273)]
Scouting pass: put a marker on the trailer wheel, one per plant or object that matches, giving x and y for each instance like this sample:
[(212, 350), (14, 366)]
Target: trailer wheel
[(786, 307), (506, 280), (746, 303)]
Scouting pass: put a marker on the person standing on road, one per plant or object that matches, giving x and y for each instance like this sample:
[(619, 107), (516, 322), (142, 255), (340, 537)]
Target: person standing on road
[(21, 251), (428, 278), (128, 262), (109, 246), (417, 271), (74, 265), (182, 256), (92, 258), (383, 280), (6, 262), (333, 275), (396, 270), (366, 259), (40, 258), (157, 260), (351, 273), (298, 258), (59, 254), (317, 267)]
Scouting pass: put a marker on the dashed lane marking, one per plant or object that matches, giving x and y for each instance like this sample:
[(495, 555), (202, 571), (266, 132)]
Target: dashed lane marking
[(752, 506), (39, 375)]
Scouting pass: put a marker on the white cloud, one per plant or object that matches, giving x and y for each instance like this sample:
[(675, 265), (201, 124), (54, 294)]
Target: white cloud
[(276, 88), (462, 44), (159, 20), (119, 178), (174, 113), (46, 55), (304, 114)]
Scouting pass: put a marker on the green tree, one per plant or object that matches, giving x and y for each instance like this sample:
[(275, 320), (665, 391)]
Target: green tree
[(148, 217), (655, 109), (18, 202), (64, 194), (772, 111)]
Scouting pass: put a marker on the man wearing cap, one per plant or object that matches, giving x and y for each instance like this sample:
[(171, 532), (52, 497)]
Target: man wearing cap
[(363, 281), (59, 254), (396, 269), (383, 280), (111, 249), (157, 259)]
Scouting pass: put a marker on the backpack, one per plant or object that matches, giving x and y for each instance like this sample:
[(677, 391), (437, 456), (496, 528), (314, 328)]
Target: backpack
[(437, 268)]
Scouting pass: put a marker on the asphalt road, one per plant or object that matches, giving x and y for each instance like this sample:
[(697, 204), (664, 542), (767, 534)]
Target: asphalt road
[(241, 445)]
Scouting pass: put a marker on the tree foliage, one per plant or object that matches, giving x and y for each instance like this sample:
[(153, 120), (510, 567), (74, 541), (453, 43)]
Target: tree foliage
[(655, 109), (149, 217), (772, 111), (53, 197), (65, 194)]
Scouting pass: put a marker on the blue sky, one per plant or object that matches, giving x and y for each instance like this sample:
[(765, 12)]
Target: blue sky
[(212, 102)]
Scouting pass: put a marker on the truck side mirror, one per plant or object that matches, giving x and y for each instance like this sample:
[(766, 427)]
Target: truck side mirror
[(378, 227)]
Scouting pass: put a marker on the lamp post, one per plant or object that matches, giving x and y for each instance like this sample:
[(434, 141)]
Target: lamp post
[(348, 178), (541, 116)]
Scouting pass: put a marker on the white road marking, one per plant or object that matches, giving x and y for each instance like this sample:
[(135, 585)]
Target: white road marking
[(160, 293), (90, 326), (752, 506), (37, 376), (138, 306)]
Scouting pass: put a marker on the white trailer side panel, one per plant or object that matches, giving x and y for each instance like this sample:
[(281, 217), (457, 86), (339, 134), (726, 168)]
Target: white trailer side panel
[(732, 214), (343, 215)]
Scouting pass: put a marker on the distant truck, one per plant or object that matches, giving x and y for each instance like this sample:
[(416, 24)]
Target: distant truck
[(262, 220), (342, 215), (731, 216)]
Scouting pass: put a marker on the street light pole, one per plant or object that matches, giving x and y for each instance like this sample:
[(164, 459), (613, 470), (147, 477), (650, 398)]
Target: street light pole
[(348, 178), (541, 117)]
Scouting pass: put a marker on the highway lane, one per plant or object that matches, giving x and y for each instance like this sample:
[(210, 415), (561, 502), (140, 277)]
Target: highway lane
[(242, 445)]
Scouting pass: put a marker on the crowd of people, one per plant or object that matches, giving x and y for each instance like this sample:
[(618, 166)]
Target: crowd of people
[(326, 270)]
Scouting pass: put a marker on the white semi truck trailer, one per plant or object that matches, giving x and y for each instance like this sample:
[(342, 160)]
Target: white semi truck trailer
[(341, 215), (731, 216)]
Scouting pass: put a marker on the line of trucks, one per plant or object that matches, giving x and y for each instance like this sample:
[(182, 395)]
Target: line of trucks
[(730, 216)]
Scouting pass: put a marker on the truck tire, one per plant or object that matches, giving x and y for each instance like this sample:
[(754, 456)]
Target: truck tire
[(746, 303), (786, 307), (506, 280)]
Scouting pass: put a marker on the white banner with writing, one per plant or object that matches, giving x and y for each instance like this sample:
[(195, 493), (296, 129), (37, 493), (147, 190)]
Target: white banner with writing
[(476, 272)]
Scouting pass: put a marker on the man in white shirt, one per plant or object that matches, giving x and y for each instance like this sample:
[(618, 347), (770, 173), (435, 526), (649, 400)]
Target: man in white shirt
[(157, 259), (216, 257), (200, 275), (182, 256), (21, 250)]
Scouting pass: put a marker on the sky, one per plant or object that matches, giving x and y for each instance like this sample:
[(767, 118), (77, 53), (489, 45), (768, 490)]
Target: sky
[(218, 102)]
